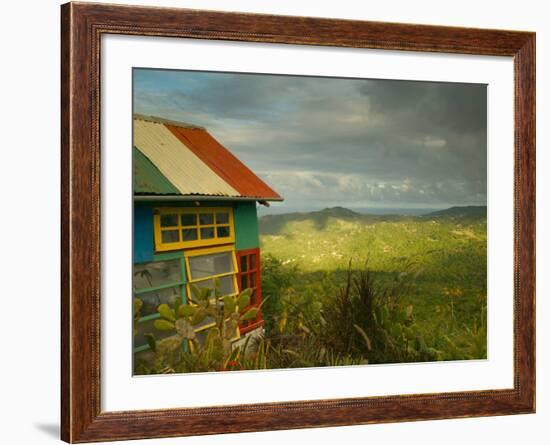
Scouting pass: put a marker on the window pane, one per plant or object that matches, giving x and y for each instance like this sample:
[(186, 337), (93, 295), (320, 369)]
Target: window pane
[(152, 300), (227, 285), (206, 218), (252, 261), (189, 234), (157, 273), (189, 219), (168, 220), (146, 327), (223, 232), (207, 233), (253, 299), (222, 218), (170, 236), (203, 266), (252, 280), (244, 263), (244, 282)]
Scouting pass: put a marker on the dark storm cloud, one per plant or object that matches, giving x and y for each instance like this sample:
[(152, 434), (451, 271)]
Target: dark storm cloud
[(322, 141)]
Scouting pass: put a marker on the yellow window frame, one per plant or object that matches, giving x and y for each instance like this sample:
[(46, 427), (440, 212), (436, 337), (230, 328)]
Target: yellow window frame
[(181, 244), (210, 251)]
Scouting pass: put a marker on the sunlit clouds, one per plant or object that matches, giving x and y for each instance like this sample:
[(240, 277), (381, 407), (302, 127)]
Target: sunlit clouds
[(321, 141)]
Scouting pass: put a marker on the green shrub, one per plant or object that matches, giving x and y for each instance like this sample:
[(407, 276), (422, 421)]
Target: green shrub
[(277, 281), (368, 320)]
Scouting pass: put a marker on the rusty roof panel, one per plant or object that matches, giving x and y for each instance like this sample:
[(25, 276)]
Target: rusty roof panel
[(223, 162)]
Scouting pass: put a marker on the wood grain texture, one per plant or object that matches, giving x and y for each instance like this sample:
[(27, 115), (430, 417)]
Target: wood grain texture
[(82, 27)]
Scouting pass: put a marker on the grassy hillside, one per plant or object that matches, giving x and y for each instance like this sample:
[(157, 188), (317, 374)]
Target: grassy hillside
[(442, 255), (467, 212)]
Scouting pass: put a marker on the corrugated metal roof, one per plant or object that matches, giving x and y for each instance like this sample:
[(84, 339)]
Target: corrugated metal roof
[(148, 179), (186, 159), (180, 166), (223, 162)]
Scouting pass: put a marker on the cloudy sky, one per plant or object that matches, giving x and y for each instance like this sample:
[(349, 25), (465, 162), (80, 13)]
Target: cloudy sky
[(322, 142)]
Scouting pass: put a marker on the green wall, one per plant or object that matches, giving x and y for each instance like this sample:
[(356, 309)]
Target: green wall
[(246, 225)]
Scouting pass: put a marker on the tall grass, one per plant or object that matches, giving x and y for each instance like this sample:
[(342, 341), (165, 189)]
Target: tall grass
[(368, 319)]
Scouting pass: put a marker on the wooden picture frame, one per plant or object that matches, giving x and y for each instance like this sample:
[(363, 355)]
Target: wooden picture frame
[(82, 26)]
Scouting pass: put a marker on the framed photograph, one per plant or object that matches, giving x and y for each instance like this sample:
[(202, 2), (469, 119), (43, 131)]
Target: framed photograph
[(274, 222)]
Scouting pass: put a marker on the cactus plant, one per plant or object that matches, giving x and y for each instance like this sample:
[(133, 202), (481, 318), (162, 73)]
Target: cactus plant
[(215, 350)]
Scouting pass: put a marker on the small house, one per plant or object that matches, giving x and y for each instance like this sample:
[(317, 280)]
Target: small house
[(195, 220)]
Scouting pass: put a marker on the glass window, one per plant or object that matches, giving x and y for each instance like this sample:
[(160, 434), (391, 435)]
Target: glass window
[(185, 227), (206, 218), (188, 219), (207, 233), (222, 218), (244, 263), (155, 283), (169, 220), (249, 278), (151, 300), (253, 298), (189, 234), (227, 284), (170, 236), (223, 232), (201, 266), (157, 273)]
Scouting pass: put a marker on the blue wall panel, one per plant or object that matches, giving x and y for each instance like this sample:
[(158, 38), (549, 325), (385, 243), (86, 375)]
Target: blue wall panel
[(143, 233)]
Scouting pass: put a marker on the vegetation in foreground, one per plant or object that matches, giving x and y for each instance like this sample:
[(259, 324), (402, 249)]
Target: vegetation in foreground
[(345, 289)]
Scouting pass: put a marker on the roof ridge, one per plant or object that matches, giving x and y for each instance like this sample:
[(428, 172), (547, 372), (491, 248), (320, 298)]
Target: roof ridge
[(161, 120)]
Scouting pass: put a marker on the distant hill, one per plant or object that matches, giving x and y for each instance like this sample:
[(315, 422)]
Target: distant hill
[(337, 212), (472, 212), (273, 224)]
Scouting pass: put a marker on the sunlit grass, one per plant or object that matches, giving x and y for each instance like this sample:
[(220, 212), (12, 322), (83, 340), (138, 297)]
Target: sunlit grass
[(448, 256)]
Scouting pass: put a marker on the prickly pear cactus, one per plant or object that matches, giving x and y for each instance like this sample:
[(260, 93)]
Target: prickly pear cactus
[(214, 315)]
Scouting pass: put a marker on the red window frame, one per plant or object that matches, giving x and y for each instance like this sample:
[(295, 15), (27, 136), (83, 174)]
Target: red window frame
[(244, 281)]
